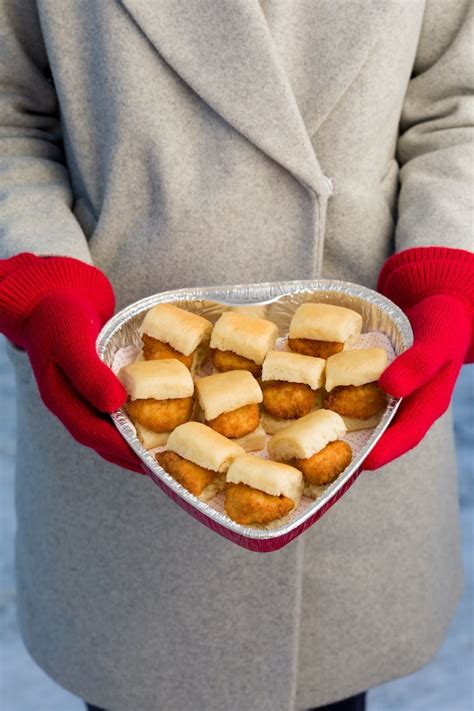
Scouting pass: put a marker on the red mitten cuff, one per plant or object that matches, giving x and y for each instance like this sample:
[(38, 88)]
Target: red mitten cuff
[(19, 261), (415, 274), (26, 280)]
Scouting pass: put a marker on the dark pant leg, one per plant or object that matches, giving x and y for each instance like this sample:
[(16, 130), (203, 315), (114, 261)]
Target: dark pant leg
[(354, 703)]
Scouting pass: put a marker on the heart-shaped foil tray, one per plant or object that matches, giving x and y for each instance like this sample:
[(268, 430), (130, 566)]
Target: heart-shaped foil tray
[(277, 302)]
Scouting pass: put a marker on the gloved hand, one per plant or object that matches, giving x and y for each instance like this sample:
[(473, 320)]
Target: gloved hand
[(435, 288), (54, 308)]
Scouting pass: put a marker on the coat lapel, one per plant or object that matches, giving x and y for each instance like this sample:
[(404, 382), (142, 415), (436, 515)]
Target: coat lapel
[(324, 45), (225, 52)]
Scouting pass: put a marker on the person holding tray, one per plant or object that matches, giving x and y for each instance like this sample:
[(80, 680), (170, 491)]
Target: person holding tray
[(146, 146)]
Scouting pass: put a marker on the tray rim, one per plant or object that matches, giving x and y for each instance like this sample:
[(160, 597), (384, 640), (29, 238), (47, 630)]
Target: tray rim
[(278, 290)]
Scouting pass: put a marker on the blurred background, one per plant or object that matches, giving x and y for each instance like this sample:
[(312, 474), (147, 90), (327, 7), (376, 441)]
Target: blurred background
[(446, 684)]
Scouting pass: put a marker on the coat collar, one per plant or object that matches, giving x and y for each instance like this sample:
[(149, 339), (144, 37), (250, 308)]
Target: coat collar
[(225, 52)]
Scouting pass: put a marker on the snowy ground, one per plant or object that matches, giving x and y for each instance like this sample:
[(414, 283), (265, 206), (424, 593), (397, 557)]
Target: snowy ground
[(443, 685)]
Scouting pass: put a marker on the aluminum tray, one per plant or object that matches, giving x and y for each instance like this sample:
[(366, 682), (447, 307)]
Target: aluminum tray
[(281, 300)]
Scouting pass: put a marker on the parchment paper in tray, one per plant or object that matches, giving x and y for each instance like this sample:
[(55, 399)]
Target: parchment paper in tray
[(384, 325)]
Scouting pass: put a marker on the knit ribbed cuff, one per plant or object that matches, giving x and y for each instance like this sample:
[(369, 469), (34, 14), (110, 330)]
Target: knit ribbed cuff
[(20, 261), (24, 288), (412, 275)]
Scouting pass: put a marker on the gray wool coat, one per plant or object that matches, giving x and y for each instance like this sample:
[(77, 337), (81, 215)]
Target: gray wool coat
[(225, 142)]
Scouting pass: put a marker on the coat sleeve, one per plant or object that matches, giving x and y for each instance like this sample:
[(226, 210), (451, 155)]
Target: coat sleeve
[(35, 193), (436, 144)]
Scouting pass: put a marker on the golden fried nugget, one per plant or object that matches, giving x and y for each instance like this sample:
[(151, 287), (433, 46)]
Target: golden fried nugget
[(288, 400), (193, 477), (326, 465), (358, 401), (246, 505), (311, 347), (228, 360), (160, 415), (153, 349), (237, 423)]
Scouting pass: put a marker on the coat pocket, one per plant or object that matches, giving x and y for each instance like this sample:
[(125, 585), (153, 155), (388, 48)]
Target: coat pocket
[(389, 186)]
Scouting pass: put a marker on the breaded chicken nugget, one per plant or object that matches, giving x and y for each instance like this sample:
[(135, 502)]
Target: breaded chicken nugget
[(228, 360), (358, 401), (153, 349), (236, 423), (160, 415), (318, 349), (326, 465), (288, 400), (246, 505), (193, 477)]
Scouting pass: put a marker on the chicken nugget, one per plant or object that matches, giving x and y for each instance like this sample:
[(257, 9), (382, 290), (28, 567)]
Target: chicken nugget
[(246, 505), (358, 401), (288, 400), (326, 465), (311, 347), (228, 360), (153, 349), (237, 423), (160, 415), (193, 477)]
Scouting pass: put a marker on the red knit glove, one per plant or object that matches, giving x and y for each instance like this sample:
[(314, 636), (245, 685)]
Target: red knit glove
[(54, 307), (435, 288)]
